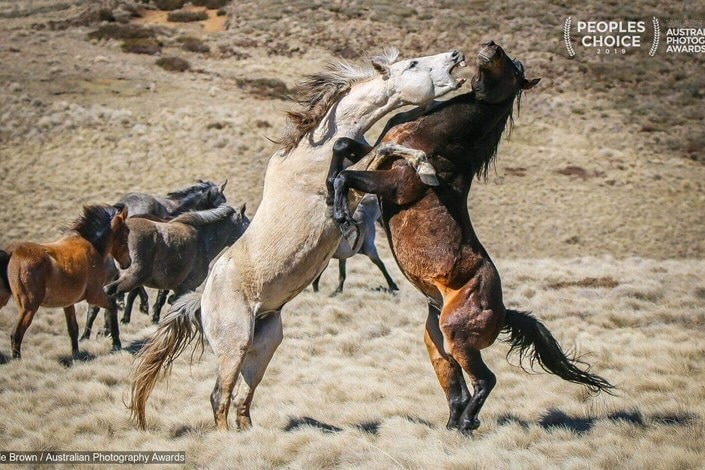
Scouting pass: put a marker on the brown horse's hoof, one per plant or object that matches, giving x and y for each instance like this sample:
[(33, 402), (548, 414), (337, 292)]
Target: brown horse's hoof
[(467, 427), (85, 336), (117, 347)]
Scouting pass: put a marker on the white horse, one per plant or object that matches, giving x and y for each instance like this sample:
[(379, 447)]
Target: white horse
[(292, 236)]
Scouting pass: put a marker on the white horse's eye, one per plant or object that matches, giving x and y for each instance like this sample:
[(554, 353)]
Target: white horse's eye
[(413, 64)]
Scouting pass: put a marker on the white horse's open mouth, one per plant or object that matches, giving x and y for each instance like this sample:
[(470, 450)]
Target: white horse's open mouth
[(460, 62)]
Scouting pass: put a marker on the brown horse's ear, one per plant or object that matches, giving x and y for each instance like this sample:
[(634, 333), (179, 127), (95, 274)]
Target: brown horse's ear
[(242, 208), (222, 186), (381, 68), (529, 84)]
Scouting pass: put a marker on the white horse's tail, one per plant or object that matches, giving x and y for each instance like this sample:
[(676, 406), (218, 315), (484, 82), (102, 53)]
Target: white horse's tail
[(176, 331)]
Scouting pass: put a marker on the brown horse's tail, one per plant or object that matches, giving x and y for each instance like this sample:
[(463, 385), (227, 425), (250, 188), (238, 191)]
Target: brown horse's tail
[(525, 331), (4, 281), (175, 333)]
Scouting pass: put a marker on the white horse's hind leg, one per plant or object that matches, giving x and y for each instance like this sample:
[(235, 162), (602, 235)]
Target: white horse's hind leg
[(268, 336), (228, 324)]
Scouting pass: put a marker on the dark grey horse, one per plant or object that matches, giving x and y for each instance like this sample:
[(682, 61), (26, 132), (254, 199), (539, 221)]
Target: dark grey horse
[(200, 196), (175, 255), (365, 216)]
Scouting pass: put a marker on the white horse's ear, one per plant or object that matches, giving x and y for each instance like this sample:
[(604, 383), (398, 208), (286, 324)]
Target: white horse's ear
[(242, 208), (222, 186), (381, 68)]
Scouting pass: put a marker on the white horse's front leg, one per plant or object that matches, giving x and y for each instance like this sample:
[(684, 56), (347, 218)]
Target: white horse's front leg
[(416, 158)]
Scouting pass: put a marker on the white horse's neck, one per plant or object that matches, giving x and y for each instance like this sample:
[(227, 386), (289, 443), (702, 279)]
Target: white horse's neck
[(365, 104)]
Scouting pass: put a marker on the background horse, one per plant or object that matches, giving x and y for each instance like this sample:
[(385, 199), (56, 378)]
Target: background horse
[(200, 196), (291, 238), (65, 272), (365, 216), (433, 241), (175, 255)]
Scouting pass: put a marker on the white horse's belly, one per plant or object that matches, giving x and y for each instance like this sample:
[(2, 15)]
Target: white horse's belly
[(290, 239)]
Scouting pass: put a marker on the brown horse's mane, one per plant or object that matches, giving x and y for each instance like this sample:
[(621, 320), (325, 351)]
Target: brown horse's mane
[(317, 93), (199, 187), (199, 218), (94, 225)]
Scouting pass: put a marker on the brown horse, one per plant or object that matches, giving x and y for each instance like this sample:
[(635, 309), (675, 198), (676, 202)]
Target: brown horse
[(433, 241), (67, 271)]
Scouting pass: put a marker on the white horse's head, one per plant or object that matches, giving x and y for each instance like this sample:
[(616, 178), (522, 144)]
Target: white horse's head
[(421, 79)]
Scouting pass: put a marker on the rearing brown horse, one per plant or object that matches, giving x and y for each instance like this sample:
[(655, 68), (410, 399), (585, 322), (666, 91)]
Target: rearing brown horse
[(433, 241), (62, 273)]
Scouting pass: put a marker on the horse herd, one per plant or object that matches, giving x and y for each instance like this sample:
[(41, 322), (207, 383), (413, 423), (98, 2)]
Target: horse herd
[(417, 177)]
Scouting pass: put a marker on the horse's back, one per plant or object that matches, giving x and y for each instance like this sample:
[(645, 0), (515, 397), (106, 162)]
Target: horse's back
[(144, 204)]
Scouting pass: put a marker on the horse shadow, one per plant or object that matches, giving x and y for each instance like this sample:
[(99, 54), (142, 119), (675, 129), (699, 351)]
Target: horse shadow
[(555, 419), (135, 346), (368, 427), (552, 420), (70, 361)]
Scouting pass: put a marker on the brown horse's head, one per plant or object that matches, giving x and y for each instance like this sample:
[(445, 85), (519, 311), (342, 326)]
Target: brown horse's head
[(498, 77), (120, 232)]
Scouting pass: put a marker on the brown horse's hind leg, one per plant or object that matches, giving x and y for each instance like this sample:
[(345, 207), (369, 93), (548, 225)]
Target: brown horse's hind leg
[(24, 320), (468, 326), (483, 381), (449, 373), (268, 336), (72, 325)]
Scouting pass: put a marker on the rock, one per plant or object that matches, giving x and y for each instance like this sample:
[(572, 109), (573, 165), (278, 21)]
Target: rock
[(100, 59), (15, 87)]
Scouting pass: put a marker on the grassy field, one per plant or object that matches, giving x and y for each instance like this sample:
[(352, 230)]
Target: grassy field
[(594, 215)]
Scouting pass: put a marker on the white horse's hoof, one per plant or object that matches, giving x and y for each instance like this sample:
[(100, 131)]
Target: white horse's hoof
[(427, 174)]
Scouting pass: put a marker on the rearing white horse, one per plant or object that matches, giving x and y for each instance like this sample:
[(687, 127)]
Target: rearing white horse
[(291, 238)]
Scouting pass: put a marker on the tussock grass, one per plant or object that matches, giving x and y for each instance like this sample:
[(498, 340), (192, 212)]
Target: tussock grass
[(351, 385)]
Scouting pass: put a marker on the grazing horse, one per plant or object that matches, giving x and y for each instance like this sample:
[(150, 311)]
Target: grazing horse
[(291, 238), (62, 273), (175, 255), (200, 196), (365, 216), (433, 241)]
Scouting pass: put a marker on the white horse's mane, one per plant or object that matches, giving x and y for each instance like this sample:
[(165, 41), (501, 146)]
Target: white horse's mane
[(317, 93)]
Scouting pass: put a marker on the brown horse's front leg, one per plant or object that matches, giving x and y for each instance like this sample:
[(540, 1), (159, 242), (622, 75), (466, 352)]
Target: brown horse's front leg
[(401, 185), (100, 299)]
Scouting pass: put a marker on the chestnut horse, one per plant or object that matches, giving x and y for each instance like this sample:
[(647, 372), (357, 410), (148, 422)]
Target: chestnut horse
[(433, 241), (67, 271)]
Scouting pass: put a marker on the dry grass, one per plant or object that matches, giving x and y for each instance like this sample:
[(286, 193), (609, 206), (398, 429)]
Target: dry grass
[(355, 365)]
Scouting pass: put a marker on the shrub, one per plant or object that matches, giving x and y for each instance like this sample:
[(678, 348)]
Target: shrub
[(187, 16), (169, 5), (191, 44), (148, 46), (173, 64), (210, 4), (265, 88)]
